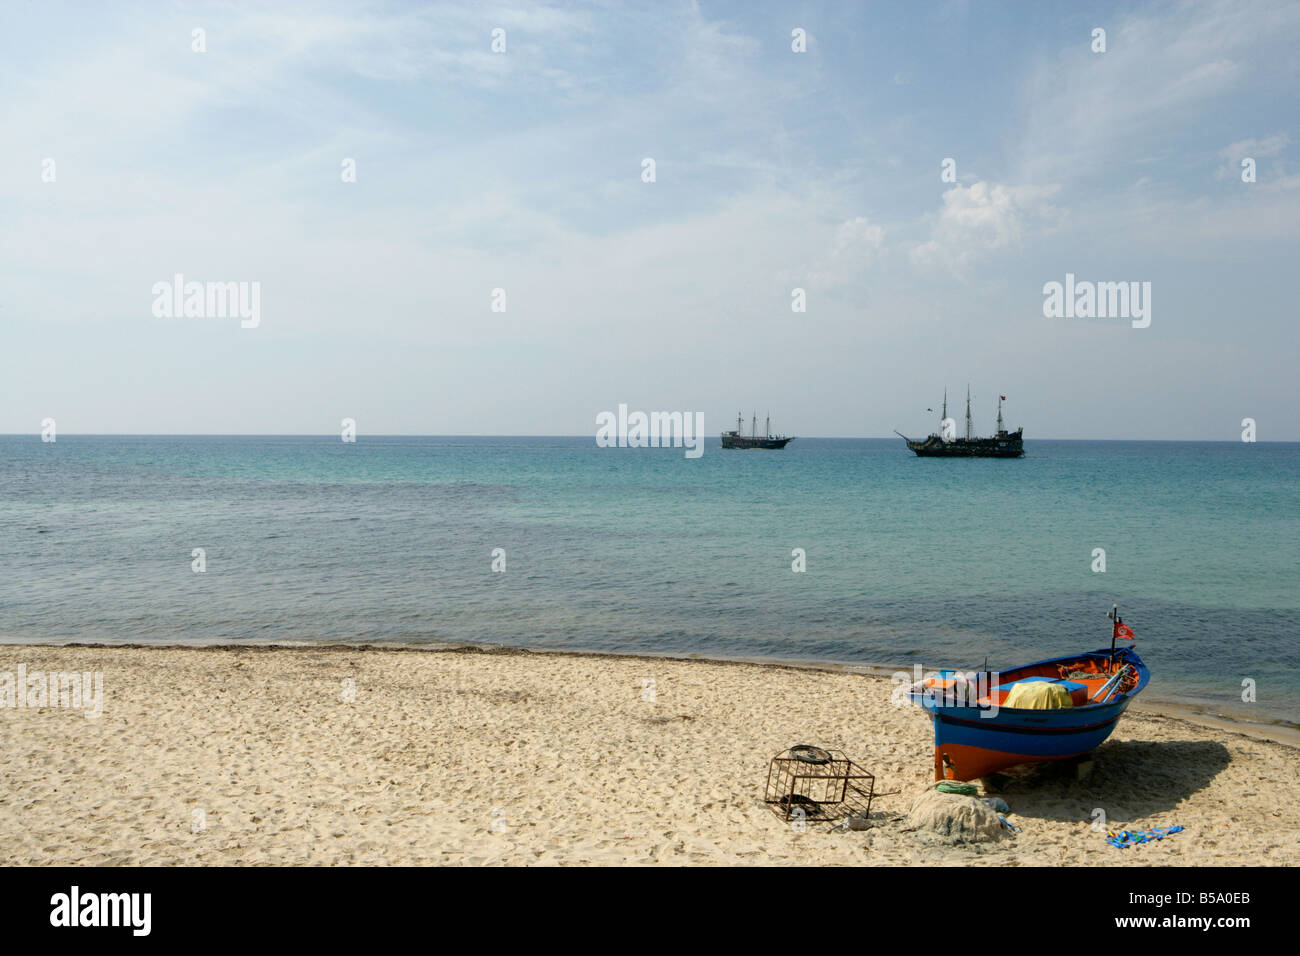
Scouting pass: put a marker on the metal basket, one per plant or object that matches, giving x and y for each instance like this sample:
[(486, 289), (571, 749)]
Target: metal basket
[(823, 784)]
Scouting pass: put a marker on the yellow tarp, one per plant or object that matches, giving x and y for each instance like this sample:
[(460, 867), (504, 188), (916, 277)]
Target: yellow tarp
[(1038, 695)]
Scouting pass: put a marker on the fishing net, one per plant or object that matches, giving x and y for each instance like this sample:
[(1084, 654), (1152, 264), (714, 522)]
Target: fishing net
[(952, 818)]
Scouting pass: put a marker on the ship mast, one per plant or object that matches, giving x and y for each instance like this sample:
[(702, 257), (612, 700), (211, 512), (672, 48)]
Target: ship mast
[(1000, 428), (767, 427), (968, 412), (740, 422), (753, 427), (944, 417)]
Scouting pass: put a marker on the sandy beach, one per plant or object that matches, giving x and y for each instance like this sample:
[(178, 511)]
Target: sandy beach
[(327, 756)]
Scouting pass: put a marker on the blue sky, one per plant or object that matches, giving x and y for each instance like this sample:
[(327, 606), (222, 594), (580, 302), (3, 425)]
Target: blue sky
[(774, 170)]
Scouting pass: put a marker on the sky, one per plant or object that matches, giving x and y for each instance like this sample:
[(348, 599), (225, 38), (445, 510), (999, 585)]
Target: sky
[(128, 156)]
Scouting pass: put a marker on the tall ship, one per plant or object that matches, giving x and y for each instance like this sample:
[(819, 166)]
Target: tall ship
[(734, 438), (1004, 444)]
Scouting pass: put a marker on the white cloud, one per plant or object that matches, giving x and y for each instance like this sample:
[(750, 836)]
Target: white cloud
[(1162, 76), (980, 219), (1268, 146), (850, 251), (1256, 149), (858, 237)]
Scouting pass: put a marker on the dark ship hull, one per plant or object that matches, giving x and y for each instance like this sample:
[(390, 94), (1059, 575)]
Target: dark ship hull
[(742, 441), (1004, 445)]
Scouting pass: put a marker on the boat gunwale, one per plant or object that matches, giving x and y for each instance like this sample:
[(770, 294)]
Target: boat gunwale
[(1055, 718)]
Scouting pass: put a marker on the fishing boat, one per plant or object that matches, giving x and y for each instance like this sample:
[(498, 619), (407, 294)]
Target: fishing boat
[(1050, 710)]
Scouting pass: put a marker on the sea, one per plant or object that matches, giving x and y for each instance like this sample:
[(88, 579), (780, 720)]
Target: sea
[(832, 551)]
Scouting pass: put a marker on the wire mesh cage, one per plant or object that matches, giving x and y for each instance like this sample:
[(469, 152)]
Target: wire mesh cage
[(819, 784)]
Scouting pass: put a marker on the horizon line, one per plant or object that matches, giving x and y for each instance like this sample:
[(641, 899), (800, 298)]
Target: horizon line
[(335, 436)]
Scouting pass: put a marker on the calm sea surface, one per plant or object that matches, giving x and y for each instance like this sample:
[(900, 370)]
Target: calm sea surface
[(937, 562)]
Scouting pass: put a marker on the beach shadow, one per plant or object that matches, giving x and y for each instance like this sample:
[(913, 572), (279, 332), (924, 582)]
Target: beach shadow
[(1130, 780)]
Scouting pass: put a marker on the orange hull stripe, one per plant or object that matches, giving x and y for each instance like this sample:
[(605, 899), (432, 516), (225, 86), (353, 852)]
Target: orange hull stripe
[(971, 763)]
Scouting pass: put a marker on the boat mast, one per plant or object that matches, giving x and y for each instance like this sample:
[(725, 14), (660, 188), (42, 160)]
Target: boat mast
[(968, 411), (1000, 428), (944, 418), (740, 422), (753, 427), (1114, 633)]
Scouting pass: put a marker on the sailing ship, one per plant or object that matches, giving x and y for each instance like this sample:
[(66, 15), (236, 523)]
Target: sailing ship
[(1055, 709), (1004, 444), (734, 439)]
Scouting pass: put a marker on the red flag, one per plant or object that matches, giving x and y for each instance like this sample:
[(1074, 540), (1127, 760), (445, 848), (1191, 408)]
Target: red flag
[(1124, 632), (1004, 398)]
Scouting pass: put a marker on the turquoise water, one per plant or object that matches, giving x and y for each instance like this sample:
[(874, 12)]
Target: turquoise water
[(938, 562)]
